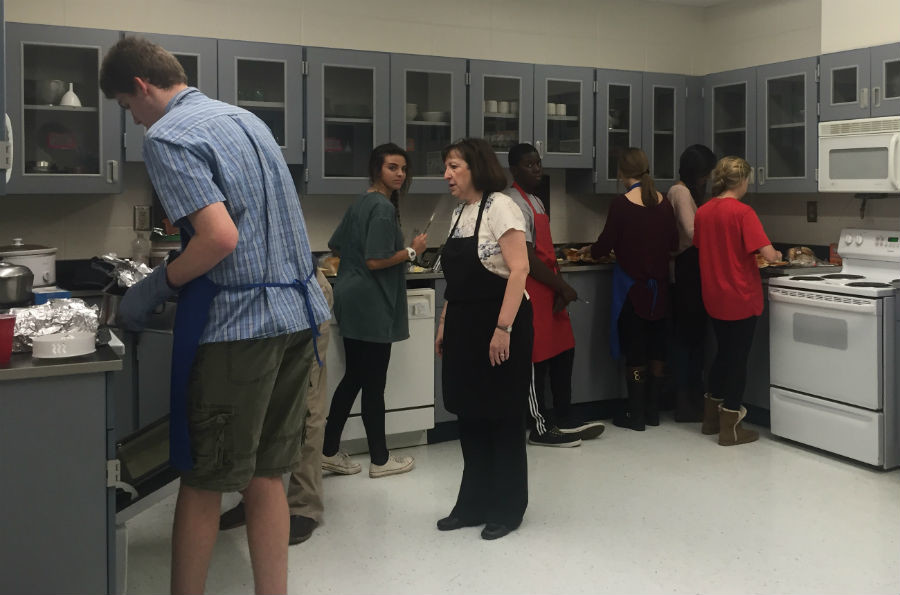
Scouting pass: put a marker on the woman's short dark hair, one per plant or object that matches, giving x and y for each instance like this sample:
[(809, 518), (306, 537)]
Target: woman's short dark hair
[(487, 174), (697, 162), (376, 160), (137, 57)]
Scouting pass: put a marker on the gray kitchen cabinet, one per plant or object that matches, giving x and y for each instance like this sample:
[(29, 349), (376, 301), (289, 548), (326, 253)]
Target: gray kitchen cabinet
[(618, 116), (64, 143), (694, 129), (501, 104), (860, 83), (428, 112), (564, 116), (266, 79), (595, 375), (885, 69), (731, 114), (199, 58), (664, 108), (58, 514), (348, 115), (787, 127), (5, 149)]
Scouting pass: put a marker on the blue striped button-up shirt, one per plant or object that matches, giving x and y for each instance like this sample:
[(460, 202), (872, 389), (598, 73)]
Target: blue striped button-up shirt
[(203, 151)]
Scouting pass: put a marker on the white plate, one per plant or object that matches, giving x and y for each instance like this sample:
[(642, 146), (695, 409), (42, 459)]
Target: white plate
[(61, 345)]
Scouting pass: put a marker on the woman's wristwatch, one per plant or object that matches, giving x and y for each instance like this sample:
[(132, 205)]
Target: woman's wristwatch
[(411, 252)]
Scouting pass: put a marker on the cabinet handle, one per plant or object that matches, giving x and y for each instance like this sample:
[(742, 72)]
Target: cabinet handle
[(112, 171), (864, 97), (876, 96), (761, 177)]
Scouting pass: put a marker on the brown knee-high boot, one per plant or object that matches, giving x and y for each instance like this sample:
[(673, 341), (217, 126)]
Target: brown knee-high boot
[(731, 432), (710, 414)]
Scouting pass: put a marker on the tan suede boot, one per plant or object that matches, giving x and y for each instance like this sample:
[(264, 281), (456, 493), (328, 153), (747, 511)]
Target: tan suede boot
[(710, 415), (731, 432)]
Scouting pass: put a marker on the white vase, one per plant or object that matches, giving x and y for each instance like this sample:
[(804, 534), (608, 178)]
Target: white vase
[(70, 98)]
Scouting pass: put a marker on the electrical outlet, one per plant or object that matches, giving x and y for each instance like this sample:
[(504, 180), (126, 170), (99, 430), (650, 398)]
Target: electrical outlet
[(812, 211)]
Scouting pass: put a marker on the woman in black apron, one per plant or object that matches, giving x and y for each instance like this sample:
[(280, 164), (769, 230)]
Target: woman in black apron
[(485, 339)]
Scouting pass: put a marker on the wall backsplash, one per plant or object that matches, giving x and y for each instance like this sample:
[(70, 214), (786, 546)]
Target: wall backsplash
[(82, 226)]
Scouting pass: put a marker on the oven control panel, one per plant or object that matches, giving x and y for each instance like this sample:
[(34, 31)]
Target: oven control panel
[(870, 244)]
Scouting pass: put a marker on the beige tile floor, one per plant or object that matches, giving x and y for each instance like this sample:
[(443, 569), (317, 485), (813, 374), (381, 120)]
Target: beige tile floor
[(663, 511)]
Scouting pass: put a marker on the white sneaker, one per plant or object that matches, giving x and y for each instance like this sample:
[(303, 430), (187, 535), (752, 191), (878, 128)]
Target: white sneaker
[(341, 464), (393, 466)]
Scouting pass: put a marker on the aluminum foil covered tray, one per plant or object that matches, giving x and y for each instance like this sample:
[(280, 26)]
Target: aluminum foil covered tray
[(69, 315)]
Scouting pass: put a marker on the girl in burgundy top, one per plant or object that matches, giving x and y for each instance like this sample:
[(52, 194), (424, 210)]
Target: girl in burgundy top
[(727, 234), (640, 228)]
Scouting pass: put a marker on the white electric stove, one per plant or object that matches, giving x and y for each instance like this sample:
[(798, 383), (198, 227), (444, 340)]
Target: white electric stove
[(834, 349)]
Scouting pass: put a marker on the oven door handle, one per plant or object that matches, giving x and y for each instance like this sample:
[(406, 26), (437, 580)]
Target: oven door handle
[(826, 301)]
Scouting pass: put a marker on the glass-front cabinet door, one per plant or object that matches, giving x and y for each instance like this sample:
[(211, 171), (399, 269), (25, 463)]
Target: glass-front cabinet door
[(564, 115), (731, 114), (886, 80), (844, 86), (197, 56), (619, 98), (428, 112), (266, 79), (787, 127), (501, 104), (66, 135), (664, 117), (349, 99)]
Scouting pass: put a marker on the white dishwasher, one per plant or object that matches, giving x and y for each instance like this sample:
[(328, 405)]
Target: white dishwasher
[(409, 391)]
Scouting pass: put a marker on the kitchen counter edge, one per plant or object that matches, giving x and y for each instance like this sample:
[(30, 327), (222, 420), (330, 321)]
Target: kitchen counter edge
[(22, 366)]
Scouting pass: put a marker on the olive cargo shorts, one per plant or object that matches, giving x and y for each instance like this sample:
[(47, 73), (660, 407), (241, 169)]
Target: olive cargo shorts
[(247, 403)]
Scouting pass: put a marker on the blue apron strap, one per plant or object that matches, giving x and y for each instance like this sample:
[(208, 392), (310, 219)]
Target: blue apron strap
[(194, 302), (302, 286), (621, 285)]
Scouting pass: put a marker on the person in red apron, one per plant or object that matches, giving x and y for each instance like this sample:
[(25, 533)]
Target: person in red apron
[(485, 340), (247, 313), (554, 343)]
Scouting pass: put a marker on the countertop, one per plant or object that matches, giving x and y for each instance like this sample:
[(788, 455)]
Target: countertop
[(22, 366)]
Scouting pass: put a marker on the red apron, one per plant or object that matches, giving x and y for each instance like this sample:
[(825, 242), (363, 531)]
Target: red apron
[(552, 332)]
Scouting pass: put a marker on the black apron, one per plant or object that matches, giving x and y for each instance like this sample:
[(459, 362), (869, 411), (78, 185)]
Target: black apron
[(471, 386)]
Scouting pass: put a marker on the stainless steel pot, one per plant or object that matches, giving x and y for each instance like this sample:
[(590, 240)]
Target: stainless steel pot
[(15, 284)]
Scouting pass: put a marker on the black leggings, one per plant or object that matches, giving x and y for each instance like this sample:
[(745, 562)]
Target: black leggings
[(366, 369), (691, 322), (642, 340), (728, 376)]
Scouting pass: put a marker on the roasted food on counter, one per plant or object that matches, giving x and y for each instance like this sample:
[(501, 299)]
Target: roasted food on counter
[(801, 256)]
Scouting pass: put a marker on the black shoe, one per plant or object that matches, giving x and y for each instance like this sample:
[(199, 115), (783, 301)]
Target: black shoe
[(451, 523), (233, 518), (302, 528), (494, 531), (554, 437), (586, 430)]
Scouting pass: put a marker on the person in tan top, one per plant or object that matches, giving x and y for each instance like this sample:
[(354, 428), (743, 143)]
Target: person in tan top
[(691, 320)]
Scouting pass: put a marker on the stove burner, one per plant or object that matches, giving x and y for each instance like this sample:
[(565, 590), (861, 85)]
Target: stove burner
[(868, 284), (807, 278), (843, 276)]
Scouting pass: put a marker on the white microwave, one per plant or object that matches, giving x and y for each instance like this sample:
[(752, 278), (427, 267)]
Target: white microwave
[(860, 155)]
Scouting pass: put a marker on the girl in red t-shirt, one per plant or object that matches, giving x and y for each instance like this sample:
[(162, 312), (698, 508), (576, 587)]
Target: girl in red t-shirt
[(728, 234)]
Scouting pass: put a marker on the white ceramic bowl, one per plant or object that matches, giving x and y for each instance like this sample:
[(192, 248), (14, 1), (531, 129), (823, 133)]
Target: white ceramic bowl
[(433, 116), (63, 345)]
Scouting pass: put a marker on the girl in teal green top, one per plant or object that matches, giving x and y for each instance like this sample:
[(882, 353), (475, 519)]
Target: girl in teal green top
[(370, 307)]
